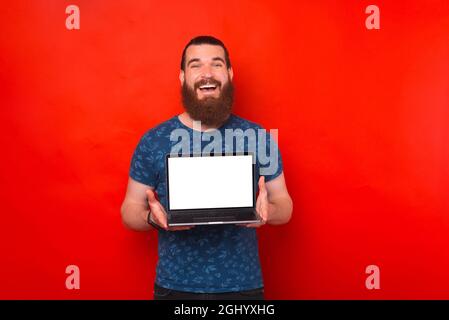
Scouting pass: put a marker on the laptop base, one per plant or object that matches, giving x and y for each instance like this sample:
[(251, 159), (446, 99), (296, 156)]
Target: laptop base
[(210, 218)]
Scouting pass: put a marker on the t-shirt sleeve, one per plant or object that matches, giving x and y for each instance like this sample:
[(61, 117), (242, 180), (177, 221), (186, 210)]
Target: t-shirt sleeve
[(142, 167), (269, 157)]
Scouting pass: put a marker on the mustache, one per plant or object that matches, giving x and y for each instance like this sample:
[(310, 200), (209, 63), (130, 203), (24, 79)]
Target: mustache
[(203, 82)]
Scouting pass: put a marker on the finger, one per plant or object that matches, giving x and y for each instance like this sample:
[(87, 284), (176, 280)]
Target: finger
[(260, 212), (264, 208), (181, 228), (151, 197), (159, 216), (158, 221), (261, 206), (262, 183), (254, 225), (242, 224), (157, 211), (264, 212), (251, 225), (161, 208)]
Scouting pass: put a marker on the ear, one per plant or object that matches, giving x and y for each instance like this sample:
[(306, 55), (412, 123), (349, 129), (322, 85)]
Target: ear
[(231, 73), (181, 77)]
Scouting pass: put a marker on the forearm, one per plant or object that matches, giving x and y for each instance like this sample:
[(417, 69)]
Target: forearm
[(134, 216), (279, 210)]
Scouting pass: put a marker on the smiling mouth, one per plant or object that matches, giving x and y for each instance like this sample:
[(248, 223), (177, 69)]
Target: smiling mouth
[(207, 88)]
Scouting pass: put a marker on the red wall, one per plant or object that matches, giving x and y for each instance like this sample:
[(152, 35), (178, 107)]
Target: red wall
[(363, 123)]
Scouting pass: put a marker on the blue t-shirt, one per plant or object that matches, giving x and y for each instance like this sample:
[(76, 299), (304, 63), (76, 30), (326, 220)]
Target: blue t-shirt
[(214, 258)]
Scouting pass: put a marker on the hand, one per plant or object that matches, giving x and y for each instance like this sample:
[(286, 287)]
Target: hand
[(261, 205), (158, 214)]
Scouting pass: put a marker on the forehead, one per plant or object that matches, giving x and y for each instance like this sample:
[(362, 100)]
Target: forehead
[(204, 52)]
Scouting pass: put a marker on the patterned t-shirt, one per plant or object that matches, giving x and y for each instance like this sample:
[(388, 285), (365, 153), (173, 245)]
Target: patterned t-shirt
[(206, 258)]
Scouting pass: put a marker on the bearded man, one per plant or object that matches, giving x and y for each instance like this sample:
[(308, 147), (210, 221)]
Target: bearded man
[(202, 262)]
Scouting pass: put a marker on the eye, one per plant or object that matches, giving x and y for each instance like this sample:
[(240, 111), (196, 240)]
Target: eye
[(218, 65), (194, 66)]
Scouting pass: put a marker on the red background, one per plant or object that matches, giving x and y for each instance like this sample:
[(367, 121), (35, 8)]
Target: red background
[(363, 125)]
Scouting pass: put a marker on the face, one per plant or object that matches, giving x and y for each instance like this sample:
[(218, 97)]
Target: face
[(207, 90), (206, 71)]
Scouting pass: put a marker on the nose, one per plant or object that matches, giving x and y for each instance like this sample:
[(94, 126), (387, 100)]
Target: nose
[(206, 71)]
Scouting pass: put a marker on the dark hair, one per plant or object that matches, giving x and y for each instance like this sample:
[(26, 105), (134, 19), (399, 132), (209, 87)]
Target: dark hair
[(205, 40)]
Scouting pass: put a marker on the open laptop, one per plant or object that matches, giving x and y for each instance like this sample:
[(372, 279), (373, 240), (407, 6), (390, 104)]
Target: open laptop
[(211, 189)]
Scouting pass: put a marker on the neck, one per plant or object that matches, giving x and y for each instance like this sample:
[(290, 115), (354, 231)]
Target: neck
[(188, 121)]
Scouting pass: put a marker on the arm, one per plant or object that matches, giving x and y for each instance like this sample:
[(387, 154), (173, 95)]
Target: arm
[(273, 204), (280, 205), (139, 201), (135, 206)]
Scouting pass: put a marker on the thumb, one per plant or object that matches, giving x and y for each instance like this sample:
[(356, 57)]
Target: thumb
[(151, 196), (262, 183)]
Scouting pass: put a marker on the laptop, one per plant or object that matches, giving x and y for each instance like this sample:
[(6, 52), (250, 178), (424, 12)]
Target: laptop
[(211, 189)]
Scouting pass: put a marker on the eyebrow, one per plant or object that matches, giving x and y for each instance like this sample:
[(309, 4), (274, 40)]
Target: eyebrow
[(193, 60), (198, 60), (218, 59)]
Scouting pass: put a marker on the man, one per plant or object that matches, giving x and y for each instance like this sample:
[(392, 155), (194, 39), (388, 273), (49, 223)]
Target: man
[(202, 262)]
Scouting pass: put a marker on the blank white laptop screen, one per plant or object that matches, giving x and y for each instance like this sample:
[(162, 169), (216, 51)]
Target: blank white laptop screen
[(210, 182)]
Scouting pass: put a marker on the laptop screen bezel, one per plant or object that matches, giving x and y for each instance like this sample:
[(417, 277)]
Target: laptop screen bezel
[(190, 155)]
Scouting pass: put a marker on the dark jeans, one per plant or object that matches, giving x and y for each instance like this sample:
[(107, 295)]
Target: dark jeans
[(161, 293)]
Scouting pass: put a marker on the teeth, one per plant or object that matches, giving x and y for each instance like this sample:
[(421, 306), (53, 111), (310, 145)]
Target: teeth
[(207, 86)]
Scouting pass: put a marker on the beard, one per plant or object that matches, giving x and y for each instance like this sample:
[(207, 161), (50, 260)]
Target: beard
[(210, 111)]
